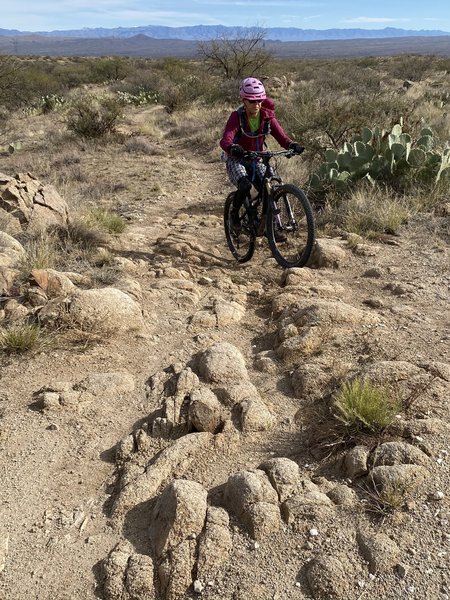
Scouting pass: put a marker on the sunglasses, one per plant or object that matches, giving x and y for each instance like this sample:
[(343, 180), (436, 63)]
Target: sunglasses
[(254, 101)]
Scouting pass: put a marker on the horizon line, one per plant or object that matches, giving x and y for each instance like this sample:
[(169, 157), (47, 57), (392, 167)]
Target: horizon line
[(81, 28)]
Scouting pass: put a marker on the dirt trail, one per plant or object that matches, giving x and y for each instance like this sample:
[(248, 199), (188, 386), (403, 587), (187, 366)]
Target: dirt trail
[(57, 467)]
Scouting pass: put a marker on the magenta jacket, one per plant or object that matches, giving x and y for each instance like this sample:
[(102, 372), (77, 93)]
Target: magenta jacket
[(233, 126)]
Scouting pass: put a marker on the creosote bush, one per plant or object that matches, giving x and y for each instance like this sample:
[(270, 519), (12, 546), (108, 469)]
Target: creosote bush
[(91, 118), (364, 406)]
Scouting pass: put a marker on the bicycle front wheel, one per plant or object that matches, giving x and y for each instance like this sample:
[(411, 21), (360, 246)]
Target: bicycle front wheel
[(290, 227), (241, 240)]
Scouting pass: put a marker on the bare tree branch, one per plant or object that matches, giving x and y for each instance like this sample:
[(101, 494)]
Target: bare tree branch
[(238, 55)]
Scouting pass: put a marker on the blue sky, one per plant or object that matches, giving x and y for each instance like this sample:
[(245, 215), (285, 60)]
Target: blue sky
[(46, 15)]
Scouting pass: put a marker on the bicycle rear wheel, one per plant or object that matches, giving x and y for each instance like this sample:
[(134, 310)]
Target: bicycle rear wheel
[(241, 241), (290, 227)]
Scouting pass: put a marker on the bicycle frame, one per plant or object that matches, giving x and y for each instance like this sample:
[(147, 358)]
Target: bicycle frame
[(266, 189)]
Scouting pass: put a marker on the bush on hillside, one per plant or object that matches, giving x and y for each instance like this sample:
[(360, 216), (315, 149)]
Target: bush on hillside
[(91, 118)]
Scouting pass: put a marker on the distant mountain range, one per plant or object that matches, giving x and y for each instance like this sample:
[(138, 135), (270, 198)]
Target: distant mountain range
[(205, 32), (182, 42)]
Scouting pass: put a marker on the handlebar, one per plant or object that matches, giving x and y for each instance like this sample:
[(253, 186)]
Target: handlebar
[(267, 154)]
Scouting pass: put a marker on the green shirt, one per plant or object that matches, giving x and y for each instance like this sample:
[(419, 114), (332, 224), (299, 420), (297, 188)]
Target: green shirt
[(254, 122)]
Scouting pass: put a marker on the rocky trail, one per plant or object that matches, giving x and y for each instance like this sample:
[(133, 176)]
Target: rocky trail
[(185, 453)]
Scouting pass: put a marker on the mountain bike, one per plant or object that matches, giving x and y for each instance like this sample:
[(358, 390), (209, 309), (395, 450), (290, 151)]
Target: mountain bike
[(281, 211)]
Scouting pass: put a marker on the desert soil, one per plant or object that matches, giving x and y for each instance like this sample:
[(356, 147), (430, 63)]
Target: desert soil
[(58, 470)]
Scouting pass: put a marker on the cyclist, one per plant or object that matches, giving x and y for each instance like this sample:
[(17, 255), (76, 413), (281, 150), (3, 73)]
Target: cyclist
[(246, 130)]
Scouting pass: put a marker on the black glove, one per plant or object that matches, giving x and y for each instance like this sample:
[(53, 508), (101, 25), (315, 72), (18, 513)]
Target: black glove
[(296, 148), (237, 151)]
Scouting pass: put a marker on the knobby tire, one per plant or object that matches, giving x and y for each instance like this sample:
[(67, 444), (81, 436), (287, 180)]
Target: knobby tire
[(300, 236), (242, 246)]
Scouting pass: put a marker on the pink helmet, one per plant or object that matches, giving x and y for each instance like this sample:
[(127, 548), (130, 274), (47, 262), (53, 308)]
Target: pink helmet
[(252, 89)]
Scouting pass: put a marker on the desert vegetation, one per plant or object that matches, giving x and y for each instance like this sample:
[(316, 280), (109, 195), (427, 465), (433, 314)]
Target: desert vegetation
[(374, 120), (334, 371), (376, 132)]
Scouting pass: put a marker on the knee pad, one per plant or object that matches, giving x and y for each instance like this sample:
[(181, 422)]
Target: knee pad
[(244, 185)]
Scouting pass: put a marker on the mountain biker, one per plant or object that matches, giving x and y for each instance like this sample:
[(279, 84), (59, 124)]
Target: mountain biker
[(246, 130)]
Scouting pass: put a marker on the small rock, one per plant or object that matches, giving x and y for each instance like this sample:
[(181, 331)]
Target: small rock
[(356, 461), (399, 477), (205, 280), (328, 578), (438, 495), (374, 303), (222, 363), (4, 540), (255, 416), (374, 273), (198, 586), (401, 570), (342, 495)]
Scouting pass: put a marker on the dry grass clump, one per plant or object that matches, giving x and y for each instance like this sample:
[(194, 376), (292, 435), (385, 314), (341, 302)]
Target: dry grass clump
[(83, 235), (203, 125), (21, 338), (371, 211), (42, 252), (141, 145), (368, 212), (388, 500), (82, 332)]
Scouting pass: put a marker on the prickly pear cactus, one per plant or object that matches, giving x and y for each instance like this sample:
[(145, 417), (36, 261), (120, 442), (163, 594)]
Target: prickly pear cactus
[(381, 156)]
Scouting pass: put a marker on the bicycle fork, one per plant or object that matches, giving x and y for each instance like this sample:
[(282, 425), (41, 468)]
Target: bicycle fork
[(291, 224)]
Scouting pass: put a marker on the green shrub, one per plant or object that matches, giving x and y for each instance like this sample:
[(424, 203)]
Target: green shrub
[(364, 406), (111, 222), (92, 119), (113, 68)]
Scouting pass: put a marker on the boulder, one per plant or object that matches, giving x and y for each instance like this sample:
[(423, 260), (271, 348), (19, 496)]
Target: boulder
[(222, 363), (215, 544), (328, 253), (179, 513), (34, 205), (128, 576), (245, 488), (11, 251), (205, 410), (328, 578), (176, 522), (106, 310), (379, 551)]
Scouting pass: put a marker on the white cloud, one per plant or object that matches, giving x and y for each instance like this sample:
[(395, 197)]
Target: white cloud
[(372, 20), (259, 4)]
